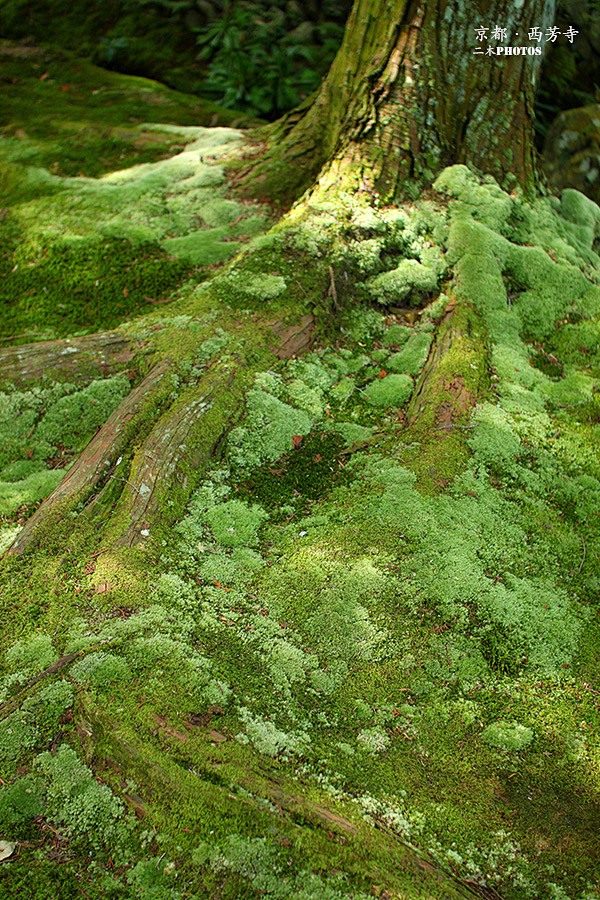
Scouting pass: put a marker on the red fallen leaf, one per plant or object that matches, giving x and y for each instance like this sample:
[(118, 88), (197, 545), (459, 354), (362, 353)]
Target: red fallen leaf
[(44, 76), (317, 458), (29, 453), (125, 292), (382, 374), (65, 87), (297, 441)]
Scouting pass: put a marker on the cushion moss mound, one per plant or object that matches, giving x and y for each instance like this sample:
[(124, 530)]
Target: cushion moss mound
[(507, 736), (390, 390)]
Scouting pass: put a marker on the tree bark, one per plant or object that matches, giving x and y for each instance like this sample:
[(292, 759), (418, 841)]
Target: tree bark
[(408, 95), (94, 355)]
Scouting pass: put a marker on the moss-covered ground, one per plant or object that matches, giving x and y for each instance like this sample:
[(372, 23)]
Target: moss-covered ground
[(364, 660), (108, 203)]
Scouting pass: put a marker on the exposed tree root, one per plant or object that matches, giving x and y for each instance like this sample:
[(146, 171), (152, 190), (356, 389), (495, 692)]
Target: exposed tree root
[(182, 438), (95, 463), (94, 355), (442, 395)]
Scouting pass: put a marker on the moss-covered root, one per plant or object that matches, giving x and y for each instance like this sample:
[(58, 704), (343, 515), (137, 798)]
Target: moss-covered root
[(455, 372), (453, 380), (150, 453), (97, 463), (92, 356)]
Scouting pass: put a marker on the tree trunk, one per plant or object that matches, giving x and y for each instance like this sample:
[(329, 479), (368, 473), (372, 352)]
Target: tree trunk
[(407, 95)]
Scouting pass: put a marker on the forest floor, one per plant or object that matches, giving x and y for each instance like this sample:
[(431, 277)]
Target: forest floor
[(356, 654)]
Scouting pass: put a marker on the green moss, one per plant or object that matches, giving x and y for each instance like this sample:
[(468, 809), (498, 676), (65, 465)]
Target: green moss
[(94, 124), (269, 430), (19, 803), (260, 287), (100, 670), (508, 736), (28, 491), (234, 523), (70, 287), (87, 810), (410, 279), (73, 418), (305, 474), (49, 423), (413, 355), (391, 390), (114, 245), (349, 650), (37, 652), (396, 335)]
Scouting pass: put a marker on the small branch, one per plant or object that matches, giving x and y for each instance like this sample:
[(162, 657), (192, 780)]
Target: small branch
[(332, 292)]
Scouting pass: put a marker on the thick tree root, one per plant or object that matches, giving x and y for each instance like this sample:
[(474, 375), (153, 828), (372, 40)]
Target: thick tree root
[(454, 374), (97, 460), (94, 355), (182, 440)]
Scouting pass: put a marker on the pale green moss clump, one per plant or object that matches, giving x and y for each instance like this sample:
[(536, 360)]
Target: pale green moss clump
[(234, 523), (35, 652), (399, 283), (269, 430), (32, 489), (269, 739), (82, 806), (507, 736), (375, 739), (391, 390), (413, 355), (100, 669), (242, 286)]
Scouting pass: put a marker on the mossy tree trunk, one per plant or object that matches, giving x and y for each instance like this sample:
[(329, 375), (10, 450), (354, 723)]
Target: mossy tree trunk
[(407, 95)]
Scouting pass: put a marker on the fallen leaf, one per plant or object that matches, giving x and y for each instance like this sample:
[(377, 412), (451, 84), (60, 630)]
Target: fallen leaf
[(44, 76), (382, 374), (104, 587), (297, 441), (7, 848), (216, 736)]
